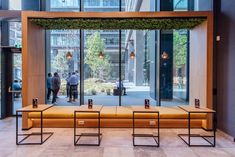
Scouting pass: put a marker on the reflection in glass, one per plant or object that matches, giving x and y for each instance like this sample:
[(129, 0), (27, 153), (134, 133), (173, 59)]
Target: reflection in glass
[(138, 74), (180, 42), (180, 5)]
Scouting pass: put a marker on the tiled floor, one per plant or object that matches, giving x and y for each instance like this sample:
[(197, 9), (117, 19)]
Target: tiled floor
[(115, 143)]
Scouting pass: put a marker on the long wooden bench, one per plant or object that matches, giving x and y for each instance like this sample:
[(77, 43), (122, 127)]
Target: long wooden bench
[(114, 116)]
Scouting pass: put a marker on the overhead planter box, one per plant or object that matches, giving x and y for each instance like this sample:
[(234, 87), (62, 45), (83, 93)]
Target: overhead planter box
[(124, 23)]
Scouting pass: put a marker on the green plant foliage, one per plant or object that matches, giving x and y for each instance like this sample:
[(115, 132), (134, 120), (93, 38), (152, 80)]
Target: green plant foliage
[(180, 48), (94, 86), (123, 23), (100, 68)]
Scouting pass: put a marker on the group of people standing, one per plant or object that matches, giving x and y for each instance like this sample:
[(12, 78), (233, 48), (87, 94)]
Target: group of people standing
[(54, 83)]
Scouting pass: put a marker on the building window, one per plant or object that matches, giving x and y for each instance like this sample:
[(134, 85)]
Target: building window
[(15, 5), (15, 37)]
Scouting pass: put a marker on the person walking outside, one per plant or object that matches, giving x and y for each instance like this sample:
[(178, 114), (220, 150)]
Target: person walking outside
[(55, 84), (73, 82), (49, 77)]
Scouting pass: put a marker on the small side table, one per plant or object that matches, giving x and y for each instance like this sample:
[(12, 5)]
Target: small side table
[(192, 110), (41, 108), (84, 109), (141, 110)]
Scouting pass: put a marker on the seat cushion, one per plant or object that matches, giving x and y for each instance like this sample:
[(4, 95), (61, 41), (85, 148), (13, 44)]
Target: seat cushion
[(56, 112), (124, 112), (62, 112), (108, 112), (66, 112)]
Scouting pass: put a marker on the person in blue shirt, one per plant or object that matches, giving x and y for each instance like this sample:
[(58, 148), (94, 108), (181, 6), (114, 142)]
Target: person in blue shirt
[(73, 83), (16, 85), (49, 90)]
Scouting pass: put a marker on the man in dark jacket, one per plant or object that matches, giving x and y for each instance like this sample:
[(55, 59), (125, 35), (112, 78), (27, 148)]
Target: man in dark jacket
[(55, 85)]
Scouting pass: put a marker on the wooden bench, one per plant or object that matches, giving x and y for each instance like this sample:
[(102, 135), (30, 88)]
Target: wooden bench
[(114, 116)]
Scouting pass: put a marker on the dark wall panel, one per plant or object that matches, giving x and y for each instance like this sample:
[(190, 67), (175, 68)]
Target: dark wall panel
[(225, 17)]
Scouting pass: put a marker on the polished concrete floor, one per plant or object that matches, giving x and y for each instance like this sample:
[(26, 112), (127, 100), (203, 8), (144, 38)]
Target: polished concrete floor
[(115, 143)]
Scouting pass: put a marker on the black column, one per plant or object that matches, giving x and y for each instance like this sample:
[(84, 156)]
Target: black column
[(6, 69), (166, 65), (7, 79)]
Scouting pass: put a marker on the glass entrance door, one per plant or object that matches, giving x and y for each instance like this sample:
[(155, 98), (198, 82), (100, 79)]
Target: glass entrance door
[(16, 87)]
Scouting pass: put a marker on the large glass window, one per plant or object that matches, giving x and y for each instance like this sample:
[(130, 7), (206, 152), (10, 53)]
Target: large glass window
[(64, 5), (139, 70), (136, 61), (203, 5), (64, 58), (180, 64), (135, 5), (180, 5), (15, 38), (101, 71), (15, 5), (101, 5)]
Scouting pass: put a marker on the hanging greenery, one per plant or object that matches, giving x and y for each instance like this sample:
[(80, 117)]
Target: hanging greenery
[(110, 24)]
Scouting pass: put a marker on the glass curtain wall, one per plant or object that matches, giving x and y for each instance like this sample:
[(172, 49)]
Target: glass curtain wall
[(106, 61), (101, 58), (65, 60), (15, 4), (65, 5), (139, 72), (140, 67), (64, 55), (101, 67), (181, 57), (135, 61)]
